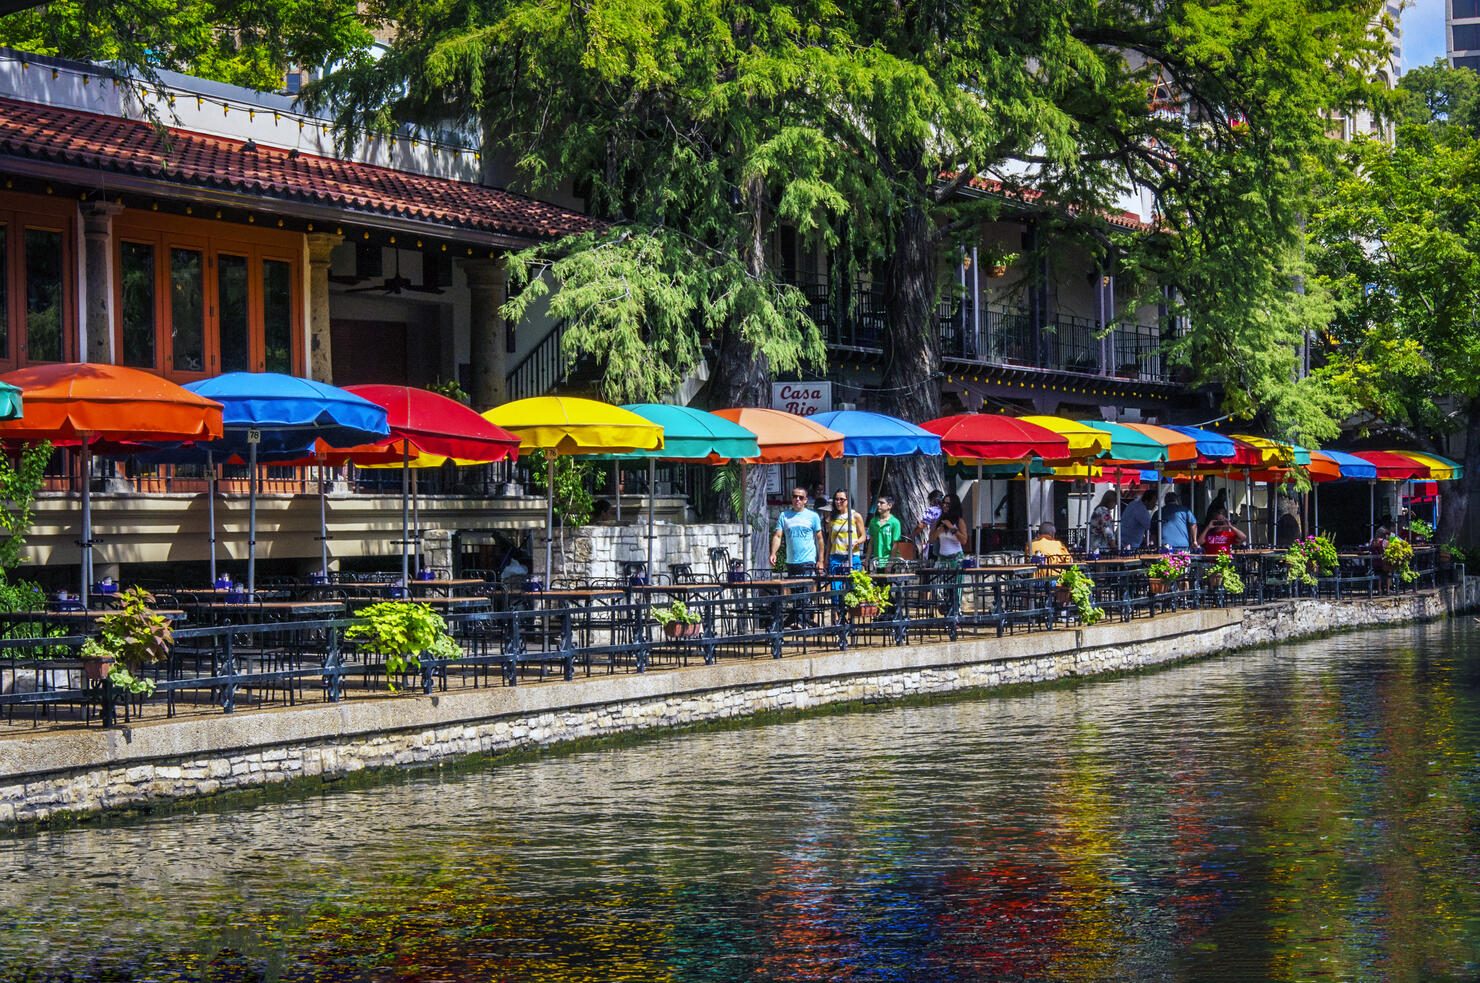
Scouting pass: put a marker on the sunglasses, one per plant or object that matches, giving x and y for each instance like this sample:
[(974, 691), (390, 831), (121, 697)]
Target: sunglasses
[(799, 498)]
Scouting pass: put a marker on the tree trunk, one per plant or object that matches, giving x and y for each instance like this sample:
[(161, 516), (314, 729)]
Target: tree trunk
[(910, 384), (1455, 520)]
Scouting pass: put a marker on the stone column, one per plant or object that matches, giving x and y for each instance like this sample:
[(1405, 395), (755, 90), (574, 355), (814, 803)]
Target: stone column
[(487, 282), (320, 355), (97, 326)]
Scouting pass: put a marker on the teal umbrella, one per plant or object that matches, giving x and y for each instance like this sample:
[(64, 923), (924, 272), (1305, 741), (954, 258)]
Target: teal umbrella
[(688, 435), (10, 402)]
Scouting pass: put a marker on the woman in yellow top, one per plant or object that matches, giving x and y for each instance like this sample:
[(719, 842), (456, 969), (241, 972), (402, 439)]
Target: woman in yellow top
[(846, 534)]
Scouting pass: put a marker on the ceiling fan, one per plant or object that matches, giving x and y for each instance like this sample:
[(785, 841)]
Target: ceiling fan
[(396, 283)]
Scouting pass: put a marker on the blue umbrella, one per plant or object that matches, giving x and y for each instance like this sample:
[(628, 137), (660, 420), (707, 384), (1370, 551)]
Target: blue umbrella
[(280, 416), (877, 435), (1352, 466), (1210, 443)]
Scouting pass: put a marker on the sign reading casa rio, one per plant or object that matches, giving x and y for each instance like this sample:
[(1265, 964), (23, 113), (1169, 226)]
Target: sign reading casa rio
[(802, 398)]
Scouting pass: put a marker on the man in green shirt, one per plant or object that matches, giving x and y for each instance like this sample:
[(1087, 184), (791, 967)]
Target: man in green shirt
[(884, 531)]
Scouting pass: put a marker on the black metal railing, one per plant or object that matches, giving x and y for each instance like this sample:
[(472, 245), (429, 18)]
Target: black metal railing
[(259, 662), (541, 369)]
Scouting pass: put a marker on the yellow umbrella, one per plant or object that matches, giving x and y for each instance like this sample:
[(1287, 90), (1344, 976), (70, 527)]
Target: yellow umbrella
[(561, 426), (1084, 440), (1440, 468)]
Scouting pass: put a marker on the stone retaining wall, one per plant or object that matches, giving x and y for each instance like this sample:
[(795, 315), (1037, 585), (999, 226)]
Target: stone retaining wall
[(87, 770)]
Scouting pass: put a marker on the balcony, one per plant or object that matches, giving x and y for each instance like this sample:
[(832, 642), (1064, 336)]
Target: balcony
[(852, 319)]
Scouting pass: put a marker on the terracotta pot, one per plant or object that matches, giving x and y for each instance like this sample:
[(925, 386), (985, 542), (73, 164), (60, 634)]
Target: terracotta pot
[(997, 271), (1158, 585), (681, 629), (1215, 580), (96, 669), (1445, 558), (1063, 595), (864, 612)]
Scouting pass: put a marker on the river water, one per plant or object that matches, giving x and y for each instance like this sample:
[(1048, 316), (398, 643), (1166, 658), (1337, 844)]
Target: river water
[(1302, 813)]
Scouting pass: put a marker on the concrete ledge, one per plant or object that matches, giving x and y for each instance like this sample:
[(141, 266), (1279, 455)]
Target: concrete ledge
[(85, 770)]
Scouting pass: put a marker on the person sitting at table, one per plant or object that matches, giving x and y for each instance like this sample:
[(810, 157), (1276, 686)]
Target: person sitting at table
[(802, 529), (1102, 522), (927, 519), (601, 513), (1048, 546), (846, 536), (884, 531), (1221, 535), (1178, 525), (1135, 522)]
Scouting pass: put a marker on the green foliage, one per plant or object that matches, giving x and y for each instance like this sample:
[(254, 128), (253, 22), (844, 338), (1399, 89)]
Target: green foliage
[(118, 674), (573, 501), (1081, 594), (1421, 529), (19, 482), (678, 612), (862, 590), (250, 44), (452, 389), (1310, 556), (20, 595), (401, 631), (1399, 557), (137, 635), (1170, 566), (1224, 566)]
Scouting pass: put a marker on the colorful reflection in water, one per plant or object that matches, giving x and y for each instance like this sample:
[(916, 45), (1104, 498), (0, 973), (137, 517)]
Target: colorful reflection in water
[(1307, 813)]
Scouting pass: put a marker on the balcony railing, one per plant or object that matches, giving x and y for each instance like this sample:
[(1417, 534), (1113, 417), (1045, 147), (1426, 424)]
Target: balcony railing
[(852, 317)]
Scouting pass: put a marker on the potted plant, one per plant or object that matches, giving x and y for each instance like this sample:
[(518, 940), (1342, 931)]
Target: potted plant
[(134, 636), (1225, 575), (1421, 530), (1076, 588), (997, 265), (1305, 558), (1399, 555), (1165, 569), (677, 620), (401, 631), (864, 599)]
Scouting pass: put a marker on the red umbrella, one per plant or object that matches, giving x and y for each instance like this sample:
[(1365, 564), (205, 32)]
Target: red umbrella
[(1391, 467), (80, 403), (432, 424), (983, 436)]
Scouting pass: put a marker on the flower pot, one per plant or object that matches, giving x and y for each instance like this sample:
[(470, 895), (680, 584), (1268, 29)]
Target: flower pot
[(1215, 580), (1063, 595), (864, 612), (998, 271), (1158, 585), (96, 669), (1445, 558), (681, 629)]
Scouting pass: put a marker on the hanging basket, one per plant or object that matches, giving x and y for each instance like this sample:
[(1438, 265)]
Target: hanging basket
[(1158, 585), (997, 272), (1214, 581), (96, 669), (1063, 595), (864, 612)]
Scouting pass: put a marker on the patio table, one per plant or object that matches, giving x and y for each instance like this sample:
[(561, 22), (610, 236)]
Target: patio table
[(451, 586)]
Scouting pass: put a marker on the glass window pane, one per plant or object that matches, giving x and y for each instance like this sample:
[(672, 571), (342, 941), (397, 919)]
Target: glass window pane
[(277, 315), (187, 311), (1466, 37), (231, 304), (4, 292), (43, 295), (138, 304)]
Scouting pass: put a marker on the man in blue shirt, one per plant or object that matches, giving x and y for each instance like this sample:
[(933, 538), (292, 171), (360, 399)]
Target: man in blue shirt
[(1178, 525), (803, 531)]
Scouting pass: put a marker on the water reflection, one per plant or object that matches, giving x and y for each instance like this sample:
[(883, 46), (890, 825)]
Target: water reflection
[(1307, 813)]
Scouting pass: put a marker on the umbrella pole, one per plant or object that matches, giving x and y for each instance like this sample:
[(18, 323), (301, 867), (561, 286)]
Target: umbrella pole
[(1315, 508), (405, 512), (211, 508), (744, 522), (980, 512), (323, 528), (549, 511), (617, 488), (252, 521), (1249, 504), (1372, 510), (86, 457), (652, 480), (415, 525)]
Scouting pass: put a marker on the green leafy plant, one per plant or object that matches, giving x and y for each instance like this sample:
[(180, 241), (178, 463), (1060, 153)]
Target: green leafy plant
[(677, 612), (452, 389), (136, 635), (863, 591), (1081, 594), (401, 631), (573, 501), (19, 483), (1399, 557), (1306, 557), (1421, 529), (1224, 567), (1171, 566)]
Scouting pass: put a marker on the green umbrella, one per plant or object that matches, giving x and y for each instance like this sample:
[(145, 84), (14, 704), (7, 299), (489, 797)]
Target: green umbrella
[(688, 435), (1130, 445), (10, 402)]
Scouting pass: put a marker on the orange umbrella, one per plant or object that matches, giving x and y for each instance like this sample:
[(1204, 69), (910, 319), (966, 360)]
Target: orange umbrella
[(1180, 446), (785, 438), (79, 403)]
